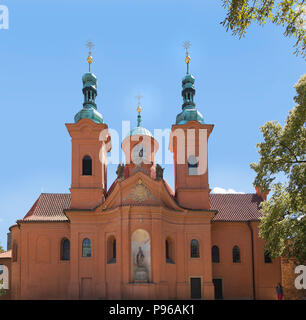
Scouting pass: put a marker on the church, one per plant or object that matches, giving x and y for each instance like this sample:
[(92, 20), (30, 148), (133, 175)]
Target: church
[(138, 238)]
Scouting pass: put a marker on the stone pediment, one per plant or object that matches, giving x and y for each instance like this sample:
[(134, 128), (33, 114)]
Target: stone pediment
[(139, 189)]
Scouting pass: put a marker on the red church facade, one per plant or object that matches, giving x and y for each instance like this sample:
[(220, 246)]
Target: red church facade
[(139, 239)]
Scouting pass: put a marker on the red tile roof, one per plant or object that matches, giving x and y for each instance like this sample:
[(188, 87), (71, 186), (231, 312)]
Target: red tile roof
[(236, 207), (231, 207), (49, 207)]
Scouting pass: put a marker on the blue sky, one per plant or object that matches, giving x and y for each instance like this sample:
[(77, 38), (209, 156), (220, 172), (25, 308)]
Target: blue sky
[(240, 84)]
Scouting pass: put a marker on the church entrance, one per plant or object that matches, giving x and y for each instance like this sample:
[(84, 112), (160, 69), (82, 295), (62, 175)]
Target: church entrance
[(218, 289), (195, 288)]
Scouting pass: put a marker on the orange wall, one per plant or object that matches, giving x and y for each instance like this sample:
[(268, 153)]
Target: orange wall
[(40, 274), (44, 276), (237, 277)]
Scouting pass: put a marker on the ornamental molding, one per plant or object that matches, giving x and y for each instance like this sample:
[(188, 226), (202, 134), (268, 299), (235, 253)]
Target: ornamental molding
[(139, 193)]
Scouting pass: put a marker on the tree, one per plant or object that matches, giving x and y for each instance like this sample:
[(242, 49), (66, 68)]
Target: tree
[(287, 13), (1, 249), (282, 168)]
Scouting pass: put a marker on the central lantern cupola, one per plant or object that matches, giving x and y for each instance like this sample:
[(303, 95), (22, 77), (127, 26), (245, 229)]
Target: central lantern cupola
[(140, 148)]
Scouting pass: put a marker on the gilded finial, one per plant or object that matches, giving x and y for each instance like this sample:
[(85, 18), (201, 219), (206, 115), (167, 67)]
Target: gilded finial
[(139, 104), (187, 45), (89, 45), (139, 110)]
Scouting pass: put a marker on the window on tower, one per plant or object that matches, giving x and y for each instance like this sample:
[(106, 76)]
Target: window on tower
[(87, 166), (193, 165)]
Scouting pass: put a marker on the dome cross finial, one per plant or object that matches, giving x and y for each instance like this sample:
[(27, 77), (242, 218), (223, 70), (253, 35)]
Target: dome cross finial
[(89, 45), (187, 45)]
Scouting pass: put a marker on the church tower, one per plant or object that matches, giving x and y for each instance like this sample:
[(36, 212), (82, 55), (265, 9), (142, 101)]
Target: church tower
[(90, 143), (188, 142)]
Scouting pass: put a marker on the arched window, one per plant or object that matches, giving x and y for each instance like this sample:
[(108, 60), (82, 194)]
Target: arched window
[(194, 249), (215, 254), (14, 251), (193, 166), (111, 249), (169, 251), (87, 166), (268, 258), (236, 254), (86, 248), (65, 249)]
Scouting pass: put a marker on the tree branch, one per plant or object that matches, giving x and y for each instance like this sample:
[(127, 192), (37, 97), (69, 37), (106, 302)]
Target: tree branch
[(289, 151)]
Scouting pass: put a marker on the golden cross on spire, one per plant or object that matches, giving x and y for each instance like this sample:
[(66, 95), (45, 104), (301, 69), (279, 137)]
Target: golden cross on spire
[(89, 45), (187, 45)]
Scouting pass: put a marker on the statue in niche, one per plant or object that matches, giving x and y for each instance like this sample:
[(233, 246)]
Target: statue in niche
[(139, 257), (141, 273)]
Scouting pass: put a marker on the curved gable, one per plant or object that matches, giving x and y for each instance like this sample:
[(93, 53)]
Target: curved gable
[(139, 189)]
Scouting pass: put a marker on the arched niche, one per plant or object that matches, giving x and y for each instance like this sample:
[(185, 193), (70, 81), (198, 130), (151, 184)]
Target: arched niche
[(141, 256)]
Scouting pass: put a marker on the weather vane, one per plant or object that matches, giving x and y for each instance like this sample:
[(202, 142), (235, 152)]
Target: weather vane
[(187, 45), (89, 45)]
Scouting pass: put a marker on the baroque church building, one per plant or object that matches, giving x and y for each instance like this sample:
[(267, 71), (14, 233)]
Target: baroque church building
[(139, 239)]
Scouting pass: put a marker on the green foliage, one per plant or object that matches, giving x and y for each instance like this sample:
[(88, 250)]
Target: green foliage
[(282, 157), (2, 292), (1, 249), (287, 13)]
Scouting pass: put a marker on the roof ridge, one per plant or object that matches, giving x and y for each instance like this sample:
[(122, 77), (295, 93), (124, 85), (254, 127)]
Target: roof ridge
[(240, 194), (55, 193)]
